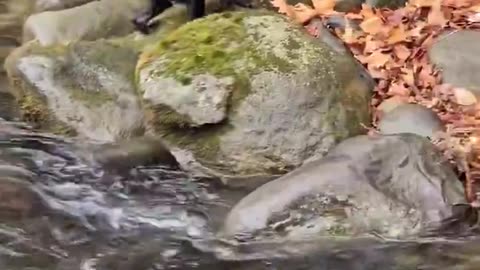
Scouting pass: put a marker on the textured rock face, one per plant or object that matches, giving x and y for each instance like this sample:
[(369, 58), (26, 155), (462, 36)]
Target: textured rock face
[(85, 88), (411, 118), (91, 21), (248, 93), (456, 54), (395, 185)]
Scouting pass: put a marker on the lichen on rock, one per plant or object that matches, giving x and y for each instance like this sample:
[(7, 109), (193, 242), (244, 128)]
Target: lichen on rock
[(285, 96)]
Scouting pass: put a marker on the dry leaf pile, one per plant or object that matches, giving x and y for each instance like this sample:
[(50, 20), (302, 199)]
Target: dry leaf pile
[(393, 45)]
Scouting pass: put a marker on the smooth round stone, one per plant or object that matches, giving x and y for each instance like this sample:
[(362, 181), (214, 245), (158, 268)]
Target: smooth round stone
[(411, 118)]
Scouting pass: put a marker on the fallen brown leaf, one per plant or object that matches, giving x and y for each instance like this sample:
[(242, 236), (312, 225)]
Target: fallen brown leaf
[(397, 34), (324, 7), (303, 13), (372, 26), (402, 52), (436, 16), (378, 59), (398, 89), (464, 97)]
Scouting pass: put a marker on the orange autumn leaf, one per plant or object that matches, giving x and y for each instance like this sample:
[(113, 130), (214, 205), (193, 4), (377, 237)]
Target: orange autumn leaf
[(426, 77), (475, 8), (397, 34), (402, 52), (372, 45), (377, 73), (283, 7), (436, 16), (349, 35), (408, 76), (417, 30), (464, 97), (397, 16), (303, 13), (367, 12), (457, 3), (398, 89), (323, 7), (422, 3), (378, 59), (372, 26)]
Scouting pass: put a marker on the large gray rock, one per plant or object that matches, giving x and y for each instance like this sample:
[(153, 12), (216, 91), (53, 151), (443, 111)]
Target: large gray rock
[(86, 88), (91, 21), (251, 94), (456, 54), (396, 186)]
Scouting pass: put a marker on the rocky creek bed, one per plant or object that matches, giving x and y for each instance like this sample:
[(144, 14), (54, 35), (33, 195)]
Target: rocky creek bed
[(236, 141)]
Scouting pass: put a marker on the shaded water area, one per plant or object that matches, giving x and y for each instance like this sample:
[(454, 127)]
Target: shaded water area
[(61, 210)]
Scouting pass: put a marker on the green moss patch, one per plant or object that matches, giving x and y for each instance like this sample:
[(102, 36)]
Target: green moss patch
[(218, 45)]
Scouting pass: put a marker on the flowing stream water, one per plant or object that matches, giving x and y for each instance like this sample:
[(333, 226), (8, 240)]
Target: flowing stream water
[(60, 210)]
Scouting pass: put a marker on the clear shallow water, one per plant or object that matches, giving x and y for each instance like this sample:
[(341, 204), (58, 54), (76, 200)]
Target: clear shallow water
[(77, 216), (60, 211)]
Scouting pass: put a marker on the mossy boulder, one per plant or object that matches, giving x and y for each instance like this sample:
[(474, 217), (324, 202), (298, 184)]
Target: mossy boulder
[(249, 93), (85, 88)]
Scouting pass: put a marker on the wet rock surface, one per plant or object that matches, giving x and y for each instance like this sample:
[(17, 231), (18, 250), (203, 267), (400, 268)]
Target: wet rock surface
[(395, 185), (86, 88)]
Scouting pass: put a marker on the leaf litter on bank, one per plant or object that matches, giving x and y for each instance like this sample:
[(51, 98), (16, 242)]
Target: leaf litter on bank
[(393, 45)]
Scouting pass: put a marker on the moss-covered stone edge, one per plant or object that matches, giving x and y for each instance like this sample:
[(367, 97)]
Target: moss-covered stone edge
[(214, 56)]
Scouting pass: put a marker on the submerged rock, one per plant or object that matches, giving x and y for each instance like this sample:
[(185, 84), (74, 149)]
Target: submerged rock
[(250, 93), (395, 185), (18, 199), (411, 118), (121, 156), (86, 87)]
